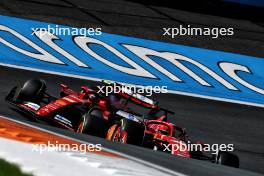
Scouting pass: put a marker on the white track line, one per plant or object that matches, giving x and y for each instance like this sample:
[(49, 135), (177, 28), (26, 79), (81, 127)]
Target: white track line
[(53, 163), (45, 164), (170, 91)]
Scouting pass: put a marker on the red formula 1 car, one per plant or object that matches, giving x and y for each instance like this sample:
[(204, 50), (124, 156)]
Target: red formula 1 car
[(145, 123), (86, 111), (68, 111), (122, 116), (161, 135)]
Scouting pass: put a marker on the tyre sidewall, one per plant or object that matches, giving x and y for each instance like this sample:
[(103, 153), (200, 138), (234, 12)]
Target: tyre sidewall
[(32, 91), (93, 124)]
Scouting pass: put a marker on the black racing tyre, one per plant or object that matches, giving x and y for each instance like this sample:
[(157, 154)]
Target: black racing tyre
[(228, 159), (33, 90), (93, 123), (135, 131)]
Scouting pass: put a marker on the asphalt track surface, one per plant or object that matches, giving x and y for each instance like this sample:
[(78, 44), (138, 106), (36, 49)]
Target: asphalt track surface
[(209, 121)]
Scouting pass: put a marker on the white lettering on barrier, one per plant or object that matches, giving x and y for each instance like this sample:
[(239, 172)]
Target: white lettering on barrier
[(48, 38), (230, 69), (136, 70), (42, 55), (142, 52)]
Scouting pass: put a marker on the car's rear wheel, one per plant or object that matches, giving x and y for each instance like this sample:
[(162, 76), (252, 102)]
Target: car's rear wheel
[(92, 123), (33, 90), (81, 126)]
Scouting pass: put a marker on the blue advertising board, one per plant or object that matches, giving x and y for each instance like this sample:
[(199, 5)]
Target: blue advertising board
[(98, 55)]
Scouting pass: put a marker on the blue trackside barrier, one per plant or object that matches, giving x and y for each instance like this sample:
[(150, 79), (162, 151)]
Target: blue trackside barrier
[(186, 70)]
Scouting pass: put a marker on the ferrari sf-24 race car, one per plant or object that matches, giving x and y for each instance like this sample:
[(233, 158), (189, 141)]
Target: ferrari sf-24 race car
[(123, 116)]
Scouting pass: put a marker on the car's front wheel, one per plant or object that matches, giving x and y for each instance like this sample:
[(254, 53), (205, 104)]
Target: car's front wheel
[(127, 131), (228, 159), (33, 90)]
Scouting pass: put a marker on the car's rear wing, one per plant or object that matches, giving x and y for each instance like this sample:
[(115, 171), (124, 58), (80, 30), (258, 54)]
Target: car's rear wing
[(129, 92), (137, 96)]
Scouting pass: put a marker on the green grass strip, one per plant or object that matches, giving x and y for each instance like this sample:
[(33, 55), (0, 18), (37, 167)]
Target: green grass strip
[(8, 169)]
